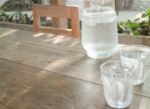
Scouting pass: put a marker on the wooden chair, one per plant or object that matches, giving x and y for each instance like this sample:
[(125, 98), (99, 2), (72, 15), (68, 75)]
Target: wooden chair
[(68, 12)]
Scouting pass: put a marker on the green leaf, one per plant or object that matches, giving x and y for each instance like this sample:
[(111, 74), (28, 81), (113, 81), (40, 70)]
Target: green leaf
[(147, 11), (136, 32), (132, 25)]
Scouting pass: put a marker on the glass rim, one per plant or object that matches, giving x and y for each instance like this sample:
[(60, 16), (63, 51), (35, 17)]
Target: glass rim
[(136, 47), (136, 51), (104, 68)]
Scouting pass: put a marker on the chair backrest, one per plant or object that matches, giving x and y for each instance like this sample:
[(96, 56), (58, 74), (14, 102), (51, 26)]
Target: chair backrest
[(68, 12)]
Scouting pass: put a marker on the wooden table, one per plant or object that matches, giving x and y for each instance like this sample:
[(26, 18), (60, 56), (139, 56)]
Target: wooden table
[(45, 71)]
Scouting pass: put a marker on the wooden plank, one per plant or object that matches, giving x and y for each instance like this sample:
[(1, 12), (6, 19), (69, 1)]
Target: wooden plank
[(132, 40), (47, 40), (3, 107), (5, 42), (52, 11), (16, 26), (75, 23), (24, 87), (67, 32), (31, 55)]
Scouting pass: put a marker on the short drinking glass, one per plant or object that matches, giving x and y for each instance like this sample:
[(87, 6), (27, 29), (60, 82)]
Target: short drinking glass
[(117, 81), (136, 57)]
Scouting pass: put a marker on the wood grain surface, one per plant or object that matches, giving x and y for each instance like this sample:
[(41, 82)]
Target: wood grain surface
[(45, 71)]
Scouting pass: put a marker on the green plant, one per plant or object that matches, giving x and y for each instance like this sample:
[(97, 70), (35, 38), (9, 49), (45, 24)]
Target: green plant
[(17, 17), (3, 16), (19, 5), (138, 26), (148, 14)]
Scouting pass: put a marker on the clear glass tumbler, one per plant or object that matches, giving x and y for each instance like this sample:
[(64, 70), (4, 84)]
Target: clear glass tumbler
[(136, 57), (117, 81)]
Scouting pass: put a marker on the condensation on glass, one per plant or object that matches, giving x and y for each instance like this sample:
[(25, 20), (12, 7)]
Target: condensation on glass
[(99, 28)]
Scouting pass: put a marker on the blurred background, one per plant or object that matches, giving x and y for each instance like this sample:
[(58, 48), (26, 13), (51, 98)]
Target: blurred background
[(13, 9)]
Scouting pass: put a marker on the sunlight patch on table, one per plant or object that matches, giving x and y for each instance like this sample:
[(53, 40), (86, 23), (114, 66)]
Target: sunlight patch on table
[(8, 33), (75, 43), (39, 35), (57, 64)]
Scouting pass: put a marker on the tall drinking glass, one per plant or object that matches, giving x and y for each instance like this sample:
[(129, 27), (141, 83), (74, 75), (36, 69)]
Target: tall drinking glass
[(117, 81), (136, 57)]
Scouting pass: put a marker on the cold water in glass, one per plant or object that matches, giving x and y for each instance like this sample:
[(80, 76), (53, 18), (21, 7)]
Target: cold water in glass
[(99, 31)]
